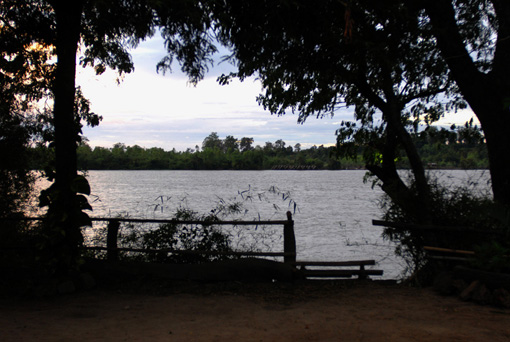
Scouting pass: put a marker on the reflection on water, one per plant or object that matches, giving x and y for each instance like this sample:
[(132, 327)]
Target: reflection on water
[(334, 209)]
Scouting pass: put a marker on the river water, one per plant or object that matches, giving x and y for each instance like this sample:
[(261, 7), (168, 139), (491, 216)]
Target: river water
[(332, 210)]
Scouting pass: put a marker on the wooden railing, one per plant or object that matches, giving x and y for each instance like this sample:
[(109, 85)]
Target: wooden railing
[(308, 269), (112, 249), (289, 240)]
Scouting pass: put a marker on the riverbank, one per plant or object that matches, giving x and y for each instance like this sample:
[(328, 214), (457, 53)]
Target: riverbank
[(302, 311)]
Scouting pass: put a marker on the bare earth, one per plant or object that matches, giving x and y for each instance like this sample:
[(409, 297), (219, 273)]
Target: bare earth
[(354, 311)]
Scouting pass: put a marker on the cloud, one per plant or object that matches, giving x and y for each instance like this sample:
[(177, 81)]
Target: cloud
[(154, 110)]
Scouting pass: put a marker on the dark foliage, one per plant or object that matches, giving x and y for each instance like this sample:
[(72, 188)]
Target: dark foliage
[(465, 220), (438, 149), (189, 237)]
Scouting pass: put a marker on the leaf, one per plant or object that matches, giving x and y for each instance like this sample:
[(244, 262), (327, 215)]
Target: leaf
[(83, 202), (82, 219), (80, 185)]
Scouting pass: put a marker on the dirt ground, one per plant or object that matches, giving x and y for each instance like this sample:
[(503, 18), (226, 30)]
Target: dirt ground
[(308, 311)]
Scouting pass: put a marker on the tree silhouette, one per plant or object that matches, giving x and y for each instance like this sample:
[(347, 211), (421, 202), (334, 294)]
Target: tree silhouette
[(212, 141), (25, 78), (246, 144), (473, 37), (230, 144), (313, 58), (104, 31)]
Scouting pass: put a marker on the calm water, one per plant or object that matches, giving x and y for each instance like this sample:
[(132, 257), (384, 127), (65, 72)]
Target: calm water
[(333, 209)]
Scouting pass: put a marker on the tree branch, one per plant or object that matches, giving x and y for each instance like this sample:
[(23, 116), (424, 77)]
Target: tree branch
[(464, 70), (424, 94)]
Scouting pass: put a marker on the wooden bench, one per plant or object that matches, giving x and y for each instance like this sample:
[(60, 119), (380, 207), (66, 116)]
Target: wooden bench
[(335, 269), (448, 254)]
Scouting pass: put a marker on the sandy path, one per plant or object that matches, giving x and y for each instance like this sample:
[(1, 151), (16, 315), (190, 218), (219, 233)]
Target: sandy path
[(364, 312)]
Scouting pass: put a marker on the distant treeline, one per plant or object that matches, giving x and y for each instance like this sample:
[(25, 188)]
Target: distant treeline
[(457, 148), (232, 154)]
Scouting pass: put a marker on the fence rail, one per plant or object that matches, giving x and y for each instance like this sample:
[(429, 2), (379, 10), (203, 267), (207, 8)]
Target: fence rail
[(422, 227)]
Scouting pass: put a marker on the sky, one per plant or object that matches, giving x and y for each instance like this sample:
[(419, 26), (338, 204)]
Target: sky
[(155, 110)]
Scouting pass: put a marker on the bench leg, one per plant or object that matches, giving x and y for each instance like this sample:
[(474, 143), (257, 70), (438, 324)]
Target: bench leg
[(362, 275)]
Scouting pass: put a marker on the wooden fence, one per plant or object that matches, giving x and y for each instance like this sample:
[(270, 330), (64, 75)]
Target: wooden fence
[(112, 249), (327, 269), (289, 239)]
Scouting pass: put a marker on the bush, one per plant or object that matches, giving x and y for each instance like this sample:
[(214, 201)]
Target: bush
[(483, 221), (206, 237), (190, 237)]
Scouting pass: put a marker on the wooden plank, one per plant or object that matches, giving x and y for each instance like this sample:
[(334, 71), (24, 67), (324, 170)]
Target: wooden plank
[(340, 273), (233, 223), (448, 250), (328, 273), (448, 258), (335, 263), (368, 272), (139, 250), (412, 226), (409, 226)]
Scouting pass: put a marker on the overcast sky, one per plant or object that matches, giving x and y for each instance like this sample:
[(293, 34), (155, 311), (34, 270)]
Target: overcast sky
[(155, 110)]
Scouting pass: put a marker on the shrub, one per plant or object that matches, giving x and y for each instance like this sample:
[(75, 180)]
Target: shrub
[(190, 237), (206, 237), (482, 220)]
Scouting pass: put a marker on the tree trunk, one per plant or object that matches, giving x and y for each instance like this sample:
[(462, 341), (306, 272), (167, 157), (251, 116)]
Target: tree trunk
[(68, 15), (488, 94), (392, 184), (394, 118), (64, 235), (498, 146), (416, 204)]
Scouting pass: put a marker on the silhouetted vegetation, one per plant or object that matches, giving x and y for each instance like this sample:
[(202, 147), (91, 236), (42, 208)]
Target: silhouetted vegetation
[(464, 219), (400, 66), (158, 242), (36, 34), (393, 64)]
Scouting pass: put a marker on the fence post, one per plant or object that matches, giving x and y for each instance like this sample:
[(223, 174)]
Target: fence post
[(112, 253), (289, 240)]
